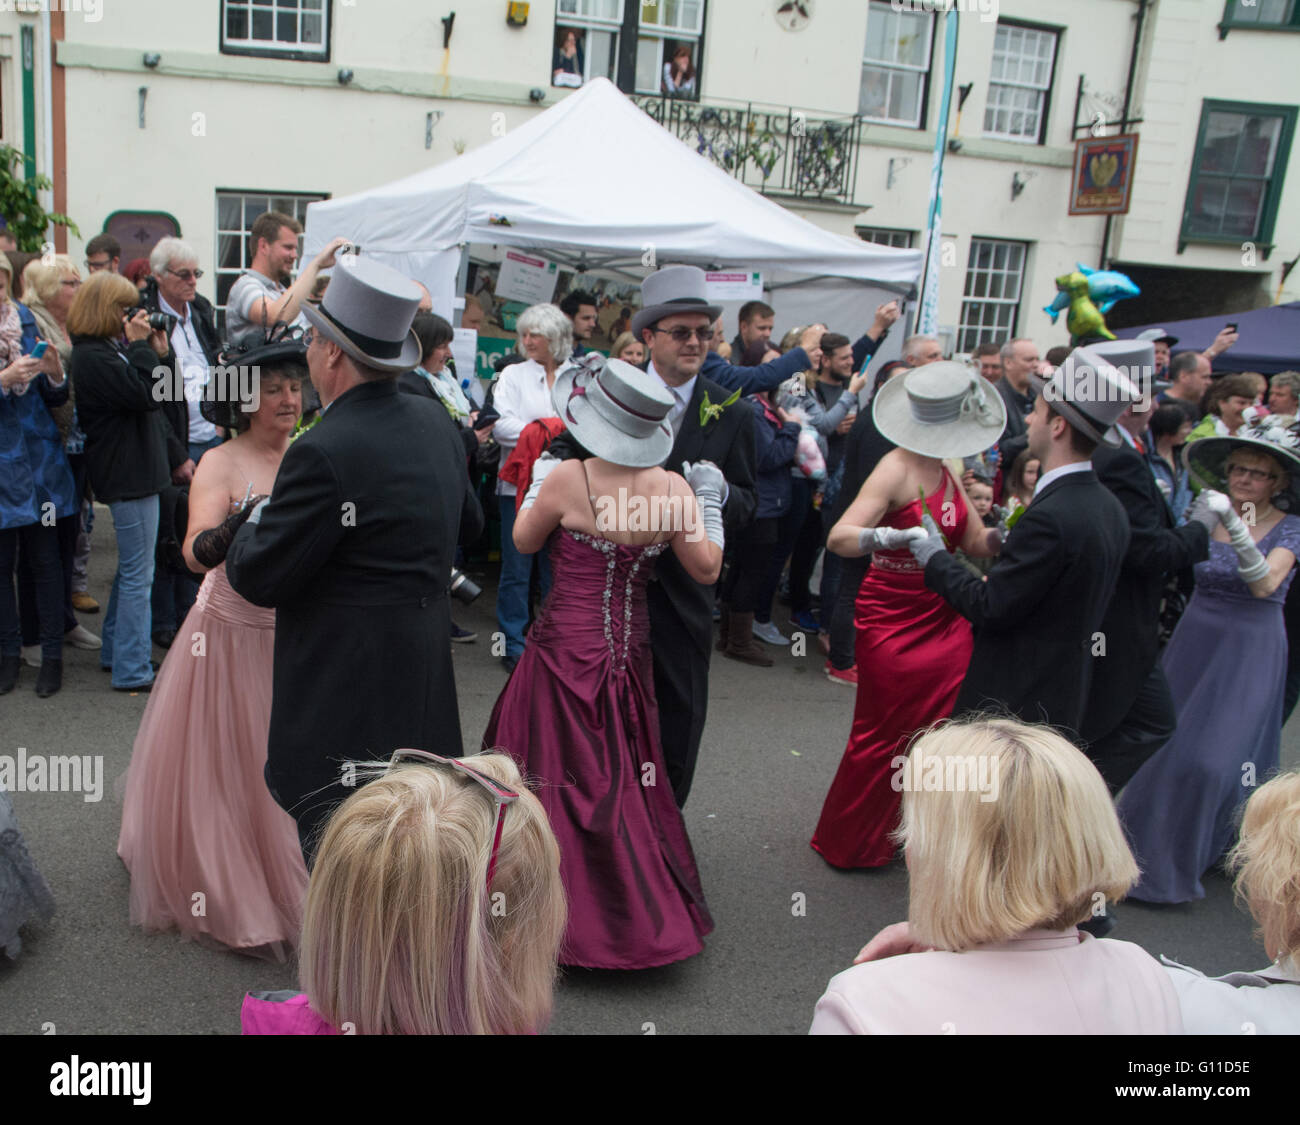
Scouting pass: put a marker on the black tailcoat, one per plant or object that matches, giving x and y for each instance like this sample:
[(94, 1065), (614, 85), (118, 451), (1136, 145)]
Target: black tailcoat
[(354, 551), (1036, 616)]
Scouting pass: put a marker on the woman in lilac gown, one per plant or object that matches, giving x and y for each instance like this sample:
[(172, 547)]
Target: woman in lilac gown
[(579, 712), (209, 851), (1226, 665)]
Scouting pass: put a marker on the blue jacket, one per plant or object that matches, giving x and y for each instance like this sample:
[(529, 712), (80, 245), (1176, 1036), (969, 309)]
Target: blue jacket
[(776, 444), (33, 468), (769, 376)]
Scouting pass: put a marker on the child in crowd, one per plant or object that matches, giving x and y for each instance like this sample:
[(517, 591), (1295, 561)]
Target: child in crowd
[(980, 491)]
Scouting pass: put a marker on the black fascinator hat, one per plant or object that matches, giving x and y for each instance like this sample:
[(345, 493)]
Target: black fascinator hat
[(232, 390)]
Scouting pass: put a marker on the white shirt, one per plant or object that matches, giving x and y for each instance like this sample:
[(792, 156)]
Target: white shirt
[(1262, 1003), (522, 396), (681, 396), (1062, 471), (194, 368)]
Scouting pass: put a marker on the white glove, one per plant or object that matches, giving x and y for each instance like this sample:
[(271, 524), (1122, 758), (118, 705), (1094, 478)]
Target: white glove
[(255, 516), (888, 538), (542, 468), (707, 482), (1253, 564)]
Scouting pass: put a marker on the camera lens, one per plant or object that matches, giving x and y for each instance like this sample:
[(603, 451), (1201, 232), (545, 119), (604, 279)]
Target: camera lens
[(462, 588)]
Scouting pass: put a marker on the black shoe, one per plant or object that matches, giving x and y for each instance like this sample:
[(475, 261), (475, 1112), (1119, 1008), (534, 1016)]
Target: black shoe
[(153, 664), (509, 663), (1100, 925), (9, 666), (163, 638), (146, 688), (49, 679), (461, 636)]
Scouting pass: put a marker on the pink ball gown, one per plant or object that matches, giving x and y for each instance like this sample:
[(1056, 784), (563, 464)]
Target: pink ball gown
[(210, 852)]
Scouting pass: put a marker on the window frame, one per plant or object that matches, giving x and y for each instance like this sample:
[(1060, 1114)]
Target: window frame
[(661, 34), (923, 105), (587, 24), (218, 271), (250, 49), (963, 325), (910, 235), (1046, 29), (1229, 23), (1263, 235)]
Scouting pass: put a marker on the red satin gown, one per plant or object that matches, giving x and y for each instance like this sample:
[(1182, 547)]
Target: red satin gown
[(912, 652)]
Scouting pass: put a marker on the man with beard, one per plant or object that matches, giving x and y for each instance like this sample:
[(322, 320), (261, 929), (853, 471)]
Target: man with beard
[(265, 293)]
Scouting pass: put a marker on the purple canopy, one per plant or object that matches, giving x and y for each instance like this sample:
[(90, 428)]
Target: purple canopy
[(1268, 339)]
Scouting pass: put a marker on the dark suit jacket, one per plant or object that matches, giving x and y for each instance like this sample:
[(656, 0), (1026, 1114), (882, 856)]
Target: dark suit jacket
[(1035, 616), (354, 551), (681, 609), (411, 383), (176, 410), (1016, 424), (1131, 625)]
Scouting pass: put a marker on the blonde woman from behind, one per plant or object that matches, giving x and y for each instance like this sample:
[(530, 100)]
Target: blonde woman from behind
[(435, 908), (1011, 841)]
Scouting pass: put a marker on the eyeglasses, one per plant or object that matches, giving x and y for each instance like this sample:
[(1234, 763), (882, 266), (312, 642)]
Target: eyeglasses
[(1252, 474), (71, 282), (95, 267), (501, 796), (307, 337), (186, 275), (682, 335)]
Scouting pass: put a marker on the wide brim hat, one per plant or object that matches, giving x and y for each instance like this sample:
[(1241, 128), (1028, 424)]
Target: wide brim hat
[(228, 389), (367, 311), (941, 410), (1158, 336), (616, 411), (671, 291), (1090, 392), (1206, 457)]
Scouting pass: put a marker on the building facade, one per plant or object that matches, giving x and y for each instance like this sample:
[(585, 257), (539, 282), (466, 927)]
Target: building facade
[(195, 115)]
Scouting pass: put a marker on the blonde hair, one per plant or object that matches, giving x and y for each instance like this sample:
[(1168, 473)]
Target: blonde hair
[(791, 339), (41, 281), (1034, 856), (399, 933), (99, 304), (1267, 861), (621, 345)]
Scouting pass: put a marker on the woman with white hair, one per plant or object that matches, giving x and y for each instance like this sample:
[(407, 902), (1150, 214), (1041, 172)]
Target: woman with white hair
[(523, 395), (1267, 861), (1011, 841), (402, 933)]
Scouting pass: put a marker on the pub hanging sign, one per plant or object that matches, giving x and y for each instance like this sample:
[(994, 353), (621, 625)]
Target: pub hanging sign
[(1103, 175)]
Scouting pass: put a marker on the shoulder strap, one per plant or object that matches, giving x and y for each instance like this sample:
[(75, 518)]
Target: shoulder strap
[(590, 500)]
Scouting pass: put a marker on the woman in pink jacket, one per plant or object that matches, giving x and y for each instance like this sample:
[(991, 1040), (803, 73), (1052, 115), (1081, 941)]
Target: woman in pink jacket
[(1011, 840)]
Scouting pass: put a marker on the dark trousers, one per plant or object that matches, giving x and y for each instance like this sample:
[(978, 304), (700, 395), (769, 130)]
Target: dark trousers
[(1147, 726), (832, 566), (788, 529), (1291, 619), (843, 630), (681, 675), (808, 540), (751, 560), (39, 545), (310, 814)]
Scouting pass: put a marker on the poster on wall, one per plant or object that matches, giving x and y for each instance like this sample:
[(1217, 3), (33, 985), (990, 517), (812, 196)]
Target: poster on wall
[(733, 285), (526, 278), (1103, 175)]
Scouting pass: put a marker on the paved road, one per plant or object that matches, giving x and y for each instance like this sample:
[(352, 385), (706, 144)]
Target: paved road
[(772, 744)]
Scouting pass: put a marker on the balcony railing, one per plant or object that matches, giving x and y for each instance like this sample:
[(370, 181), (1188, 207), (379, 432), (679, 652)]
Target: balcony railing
[(776, 153)]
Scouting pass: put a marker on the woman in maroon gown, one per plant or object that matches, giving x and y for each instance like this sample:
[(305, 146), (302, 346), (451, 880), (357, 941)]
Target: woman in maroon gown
[(579, 711), (912, 647)]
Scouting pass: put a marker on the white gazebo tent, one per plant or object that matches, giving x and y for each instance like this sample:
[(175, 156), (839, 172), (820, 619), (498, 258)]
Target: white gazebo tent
[(594, 183)]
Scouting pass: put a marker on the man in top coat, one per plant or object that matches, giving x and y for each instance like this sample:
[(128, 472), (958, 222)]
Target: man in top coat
[(1037, 616), (354, 550)]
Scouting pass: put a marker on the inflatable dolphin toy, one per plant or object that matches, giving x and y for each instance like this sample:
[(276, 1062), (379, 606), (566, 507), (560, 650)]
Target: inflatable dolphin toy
[(1105, 289)]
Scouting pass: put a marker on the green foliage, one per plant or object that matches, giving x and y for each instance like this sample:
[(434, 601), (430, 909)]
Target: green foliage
[(20, 207)]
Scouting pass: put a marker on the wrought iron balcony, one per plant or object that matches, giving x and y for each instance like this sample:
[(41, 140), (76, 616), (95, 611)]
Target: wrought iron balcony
[(779, 154)]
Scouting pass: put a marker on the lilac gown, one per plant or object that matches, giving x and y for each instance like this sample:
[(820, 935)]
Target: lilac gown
[(579, 715), (1226, 666)]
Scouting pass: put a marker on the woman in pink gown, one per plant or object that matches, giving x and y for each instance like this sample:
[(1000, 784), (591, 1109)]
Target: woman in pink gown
[(209, 851), (579, 711), (912, 646)]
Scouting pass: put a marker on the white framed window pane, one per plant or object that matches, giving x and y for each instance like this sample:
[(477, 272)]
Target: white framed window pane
[(677, 15), (649, 64), (896, 58), (913, 47), (994, 283), (886, 236), (905, 98), (275, 25), (591, 9), (602, 54)]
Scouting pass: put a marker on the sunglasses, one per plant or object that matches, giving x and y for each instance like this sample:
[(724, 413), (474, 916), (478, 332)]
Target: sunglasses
[(186, 275), (682, 335), (501, 796)]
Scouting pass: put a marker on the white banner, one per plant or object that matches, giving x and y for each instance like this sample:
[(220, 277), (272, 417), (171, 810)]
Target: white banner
[(734, 285), (526, 278)]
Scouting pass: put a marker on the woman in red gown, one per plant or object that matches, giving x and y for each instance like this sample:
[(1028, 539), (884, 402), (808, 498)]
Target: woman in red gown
[(912, 646)]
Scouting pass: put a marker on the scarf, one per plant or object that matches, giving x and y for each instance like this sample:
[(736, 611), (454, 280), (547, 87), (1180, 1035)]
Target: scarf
[(51, 331), (11, 334)]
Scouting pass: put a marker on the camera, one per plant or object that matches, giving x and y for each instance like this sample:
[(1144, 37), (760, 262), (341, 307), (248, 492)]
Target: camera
[(463, 588), (159, 321)]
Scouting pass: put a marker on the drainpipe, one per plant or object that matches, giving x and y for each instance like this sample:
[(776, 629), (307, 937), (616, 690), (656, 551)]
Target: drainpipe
[(47, 123), (1123, 120)]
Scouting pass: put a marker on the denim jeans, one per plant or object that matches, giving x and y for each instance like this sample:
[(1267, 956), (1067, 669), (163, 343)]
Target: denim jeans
[(516, 573), (199, 448), (127, 643)]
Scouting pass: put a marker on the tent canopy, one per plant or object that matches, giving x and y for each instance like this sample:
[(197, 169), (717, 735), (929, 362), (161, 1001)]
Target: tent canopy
[(1268, 339), (593, 182)]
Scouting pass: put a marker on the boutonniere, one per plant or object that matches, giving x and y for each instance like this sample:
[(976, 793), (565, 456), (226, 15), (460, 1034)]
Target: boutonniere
[(300, 429), (712, 411)]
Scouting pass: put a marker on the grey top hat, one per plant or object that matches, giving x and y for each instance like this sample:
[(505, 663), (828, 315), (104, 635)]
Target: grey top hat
[(367, 311), (617, 411), (940, 410), (1135, 359), (1089, 393), (672, 290)]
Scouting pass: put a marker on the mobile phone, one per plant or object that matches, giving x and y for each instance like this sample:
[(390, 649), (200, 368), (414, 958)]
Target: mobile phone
[(1230, 327), (39, 350)]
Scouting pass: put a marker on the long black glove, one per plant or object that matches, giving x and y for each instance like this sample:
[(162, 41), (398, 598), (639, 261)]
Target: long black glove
[(210, 546)]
